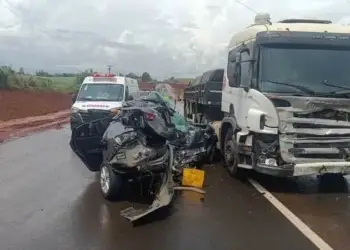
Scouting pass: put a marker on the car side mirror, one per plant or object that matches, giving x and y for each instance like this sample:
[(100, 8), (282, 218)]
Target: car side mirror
[(74, 97)]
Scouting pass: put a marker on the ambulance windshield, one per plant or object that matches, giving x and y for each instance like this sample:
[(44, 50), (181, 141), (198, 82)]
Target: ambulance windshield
[(101, 92)]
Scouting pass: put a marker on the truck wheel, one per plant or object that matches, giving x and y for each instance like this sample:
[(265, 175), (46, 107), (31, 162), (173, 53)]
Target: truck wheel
[(231, 154), (110, 183)]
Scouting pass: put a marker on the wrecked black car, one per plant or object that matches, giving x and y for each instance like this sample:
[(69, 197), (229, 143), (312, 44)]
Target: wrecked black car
[(146, 138)]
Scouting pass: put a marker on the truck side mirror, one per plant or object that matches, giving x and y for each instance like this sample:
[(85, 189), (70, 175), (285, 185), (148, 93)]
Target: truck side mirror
[(130, 98)]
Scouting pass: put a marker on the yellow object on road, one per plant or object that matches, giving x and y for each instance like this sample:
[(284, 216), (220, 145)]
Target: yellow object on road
[(193, 177)]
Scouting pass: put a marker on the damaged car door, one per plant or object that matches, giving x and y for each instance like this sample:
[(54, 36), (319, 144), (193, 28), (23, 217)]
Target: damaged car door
[(87, 142)]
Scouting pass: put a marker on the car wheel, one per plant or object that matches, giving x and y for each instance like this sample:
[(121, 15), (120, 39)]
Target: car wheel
[(110, 183)]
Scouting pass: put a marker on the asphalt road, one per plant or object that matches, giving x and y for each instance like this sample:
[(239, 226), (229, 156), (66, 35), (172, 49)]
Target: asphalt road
[(49, 200)]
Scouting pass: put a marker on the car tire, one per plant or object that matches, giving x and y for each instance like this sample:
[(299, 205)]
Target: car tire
[(110, 183), (231, 154)]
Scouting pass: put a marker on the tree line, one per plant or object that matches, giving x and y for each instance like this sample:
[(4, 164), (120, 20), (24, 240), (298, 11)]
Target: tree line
[(12, 79)]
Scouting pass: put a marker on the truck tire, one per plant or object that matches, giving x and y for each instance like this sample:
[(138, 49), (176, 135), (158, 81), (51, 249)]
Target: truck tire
[(231, 154), (110, 183)]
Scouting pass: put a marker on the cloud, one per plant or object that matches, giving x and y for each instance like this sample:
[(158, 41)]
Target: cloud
[(164, 37)]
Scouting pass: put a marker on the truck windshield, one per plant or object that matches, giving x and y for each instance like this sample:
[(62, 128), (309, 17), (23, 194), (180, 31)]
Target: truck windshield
[(322, 69), (101, 92)]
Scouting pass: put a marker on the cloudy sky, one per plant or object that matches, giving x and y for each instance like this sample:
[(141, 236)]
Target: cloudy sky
[(164, 37)]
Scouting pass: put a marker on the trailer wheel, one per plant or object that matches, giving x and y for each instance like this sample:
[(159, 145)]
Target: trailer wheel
[(110, 183), (231, 153), (197, 118)]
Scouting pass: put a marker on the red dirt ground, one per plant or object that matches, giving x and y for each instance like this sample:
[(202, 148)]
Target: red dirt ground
[(22, 113), (19, 104)]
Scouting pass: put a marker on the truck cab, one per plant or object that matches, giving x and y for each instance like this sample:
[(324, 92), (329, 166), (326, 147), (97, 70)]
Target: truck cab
[(285, 98)]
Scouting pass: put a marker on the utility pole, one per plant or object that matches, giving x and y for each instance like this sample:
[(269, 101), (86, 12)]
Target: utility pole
[(109, 68)]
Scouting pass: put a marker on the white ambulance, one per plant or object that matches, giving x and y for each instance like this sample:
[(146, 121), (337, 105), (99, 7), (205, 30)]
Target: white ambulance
[(101, 95)]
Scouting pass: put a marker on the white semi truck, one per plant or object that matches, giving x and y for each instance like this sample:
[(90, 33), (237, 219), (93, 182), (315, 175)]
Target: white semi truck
[(285, 99)]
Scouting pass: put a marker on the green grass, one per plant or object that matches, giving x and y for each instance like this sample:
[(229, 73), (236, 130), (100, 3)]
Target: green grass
[(10, 79), (59, 83)]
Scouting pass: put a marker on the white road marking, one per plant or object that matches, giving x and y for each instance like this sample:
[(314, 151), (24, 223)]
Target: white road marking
[(301, 226)]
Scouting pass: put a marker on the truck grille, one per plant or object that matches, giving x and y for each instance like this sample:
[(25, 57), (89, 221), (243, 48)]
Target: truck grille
[(326, 114), (317, 134)]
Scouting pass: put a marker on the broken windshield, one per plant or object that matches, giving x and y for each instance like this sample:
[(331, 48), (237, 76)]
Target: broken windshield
[(320, 69)]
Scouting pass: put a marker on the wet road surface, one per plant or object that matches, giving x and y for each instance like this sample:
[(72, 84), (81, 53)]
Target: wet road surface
[(49, 200), (323, 204)]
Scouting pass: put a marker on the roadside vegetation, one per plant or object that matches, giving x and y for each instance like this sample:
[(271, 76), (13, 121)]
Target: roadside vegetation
[(11, 79)]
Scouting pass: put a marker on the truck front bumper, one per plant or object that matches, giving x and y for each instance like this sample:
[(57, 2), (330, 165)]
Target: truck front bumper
[(302, 169)]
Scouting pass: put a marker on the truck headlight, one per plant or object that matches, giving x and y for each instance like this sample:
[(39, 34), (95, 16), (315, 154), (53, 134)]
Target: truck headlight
[(121, 139)]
